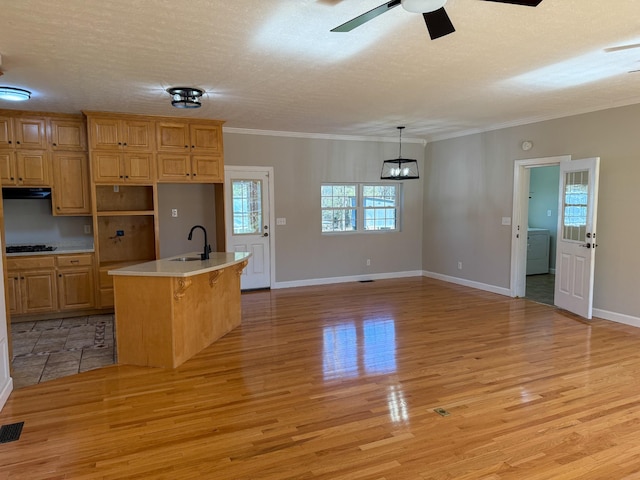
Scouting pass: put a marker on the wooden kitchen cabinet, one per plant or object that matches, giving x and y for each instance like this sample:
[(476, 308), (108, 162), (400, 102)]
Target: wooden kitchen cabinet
[(32, 285), (26, 168), (68, 134), (119, 168), (75, 282), (190, 151), (120, 133), (177, 168), (20, 132), (70, 184)]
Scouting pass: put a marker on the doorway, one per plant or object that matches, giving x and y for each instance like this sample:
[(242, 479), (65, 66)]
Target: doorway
[(542, 226), (249, 217)]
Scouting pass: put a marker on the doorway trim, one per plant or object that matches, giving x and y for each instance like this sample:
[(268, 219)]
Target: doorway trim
[(520, 218), (272, 215)]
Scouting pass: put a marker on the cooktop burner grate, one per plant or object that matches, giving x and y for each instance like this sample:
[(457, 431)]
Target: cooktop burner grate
[(29, 248)]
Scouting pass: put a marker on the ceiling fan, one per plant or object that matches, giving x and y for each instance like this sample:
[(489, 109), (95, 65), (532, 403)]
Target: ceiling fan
[(433, 11)]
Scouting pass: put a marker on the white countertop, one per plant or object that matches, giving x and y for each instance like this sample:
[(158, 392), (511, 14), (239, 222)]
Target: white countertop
[(170, 267), (62, 250)]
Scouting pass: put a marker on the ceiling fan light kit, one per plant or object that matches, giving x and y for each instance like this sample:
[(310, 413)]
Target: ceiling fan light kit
[(185, 97), (435, 16), (399, 168), (14, 94)]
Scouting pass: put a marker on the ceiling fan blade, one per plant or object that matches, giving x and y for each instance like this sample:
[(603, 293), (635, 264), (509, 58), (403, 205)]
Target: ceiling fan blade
[(365, 17), (526, 3), (438, 23)]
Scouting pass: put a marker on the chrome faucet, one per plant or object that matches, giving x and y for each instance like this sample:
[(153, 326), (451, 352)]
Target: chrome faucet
[(207, 247)]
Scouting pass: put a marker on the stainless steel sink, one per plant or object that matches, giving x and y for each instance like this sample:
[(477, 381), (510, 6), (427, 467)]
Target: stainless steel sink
[(185, 259)]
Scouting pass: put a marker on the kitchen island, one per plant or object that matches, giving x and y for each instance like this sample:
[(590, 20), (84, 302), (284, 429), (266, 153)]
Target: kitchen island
[(168, 310)]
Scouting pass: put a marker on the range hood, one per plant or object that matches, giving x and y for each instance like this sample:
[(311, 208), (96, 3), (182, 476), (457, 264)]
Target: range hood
[(19, 193)]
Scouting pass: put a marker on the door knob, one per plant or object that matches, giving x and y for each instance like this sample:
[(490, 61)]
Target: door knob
[(265, 234), (586, 245)]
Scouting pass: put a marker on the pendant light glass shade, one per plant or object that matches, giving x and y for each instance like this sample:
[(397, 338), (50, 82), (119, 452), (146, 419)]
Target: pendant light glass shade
[(14, 94), (399, 168)]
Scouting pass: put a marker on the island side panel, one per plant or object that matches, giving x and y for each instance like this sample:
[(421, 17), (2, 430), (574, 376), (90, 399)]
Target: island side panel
[(143, 314), (209, 309)]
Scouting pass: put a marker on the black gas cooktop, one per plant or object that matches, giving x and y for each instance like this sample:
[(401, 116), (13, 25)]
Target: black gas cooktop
[(29, 248)]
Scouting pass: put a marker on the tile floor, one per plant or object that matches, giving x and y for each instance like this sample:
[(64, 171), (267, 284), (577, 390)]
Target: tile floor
[(51, 349), (540, 288)]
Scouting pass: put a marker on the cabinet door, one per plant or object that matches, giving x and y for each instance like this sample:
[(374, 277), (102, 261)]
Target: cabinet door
[(207, 169), (137, 135), (75, 288), (172, 137), (206, 138), (104, 133), (33, 168), (70, 184), (6, 132), (106, 167), (14, 295), (7, 168), (39, 291), (68, 134), (174, 167), (138, 168), (30, 133)]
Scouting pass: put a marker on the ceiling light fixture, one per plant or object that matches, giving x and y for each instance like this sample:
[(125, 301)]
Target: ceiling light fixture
[(399, 168), (14, 94), (185, 97)]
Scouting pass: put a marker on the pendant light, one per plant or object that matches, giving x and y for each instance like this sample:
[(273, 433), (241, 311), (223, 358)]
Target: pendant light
[(399, 168)]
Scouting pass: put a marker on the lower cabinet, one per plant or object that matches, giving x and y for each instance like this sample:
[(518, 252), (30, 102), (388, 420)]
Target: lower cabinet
[(50, 283)]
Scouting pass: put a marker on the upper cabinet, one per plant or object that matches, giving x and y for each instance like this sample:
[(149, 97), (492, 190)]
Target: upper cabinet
[(190, 151), (68, 134), (23, 132), (121, 134)]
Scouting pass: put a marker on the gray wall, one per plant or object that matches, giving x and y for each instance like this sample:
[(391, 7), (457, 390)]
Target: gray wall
[(468, 187), (196, 206), (543, 197), (301, 165)]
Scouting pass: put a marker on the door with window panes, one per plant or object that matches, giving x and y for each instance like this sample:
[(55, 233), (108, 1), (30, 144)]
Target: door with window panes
[(247, 230)]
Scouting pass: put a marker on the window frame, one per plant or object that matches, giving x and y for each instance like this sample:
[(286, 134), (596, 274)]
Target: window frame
[(360, 208)]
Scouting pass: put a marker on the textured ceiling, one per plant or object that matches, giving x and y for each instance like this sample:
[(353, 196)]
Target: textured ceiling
[(274, 65)]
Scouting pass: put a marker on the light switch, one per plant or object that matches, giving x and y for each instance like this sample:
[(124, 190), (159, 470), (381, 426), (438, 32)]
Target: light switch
[(548, 213), (506, 220), (281, 221)]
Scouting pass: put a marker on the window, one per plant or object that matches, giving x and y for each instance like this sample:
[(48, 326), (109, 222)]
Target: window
[(359, 207), (247, 206)]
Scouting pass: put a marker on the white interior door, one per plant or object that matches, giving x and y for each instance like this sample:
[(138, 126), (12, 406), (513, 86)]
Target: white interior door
[(248, 219), (576, 245)]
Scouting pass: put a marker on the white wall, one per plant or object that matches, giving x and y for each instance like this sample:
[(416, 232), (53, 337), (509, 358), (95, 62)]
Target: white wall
[(301, 165), (468, 187)]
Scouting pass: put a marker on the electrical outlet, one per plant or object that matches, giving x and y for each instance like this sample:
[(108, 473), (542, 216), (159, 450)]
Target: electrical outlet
[(119, 233), (174, 212), (548, 213), (459, 265), (87, 229), (368, 262), (116, 188)]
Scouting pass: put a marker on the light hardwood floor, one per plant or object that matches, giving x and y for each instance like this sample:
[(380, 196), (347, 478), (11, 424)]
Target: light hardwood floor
[(341, 382)]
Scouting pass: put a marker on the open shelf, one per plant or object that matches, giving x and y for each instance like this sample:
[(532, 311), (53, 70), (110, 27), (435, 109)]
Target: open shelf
[(127, 198)]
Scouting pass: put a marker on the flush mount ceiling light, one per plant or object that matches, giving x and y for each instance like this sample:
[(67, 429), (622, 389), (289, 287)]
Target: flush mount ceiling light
[(14, 94), (399, 168), (185, 97)]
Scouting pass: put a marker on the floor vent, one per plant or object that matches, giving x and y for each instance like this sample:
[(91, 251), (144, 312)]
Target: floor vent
[(11, 432), (365, 281)]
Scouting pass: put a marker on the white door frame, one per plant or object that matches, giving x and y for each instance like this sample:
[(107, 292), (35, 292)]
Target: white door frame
[(520, 218), (272, 215)]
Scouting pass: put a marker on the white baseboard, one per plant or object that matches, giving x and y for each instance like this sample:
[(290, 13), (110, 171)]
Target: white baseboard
[(353, 278), (617, 317), (468, 283), (7, 388)]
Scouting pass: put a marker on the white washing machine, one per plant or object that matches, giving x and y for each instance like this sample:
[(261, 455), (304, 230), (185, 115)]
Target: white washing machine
[(537, 251)]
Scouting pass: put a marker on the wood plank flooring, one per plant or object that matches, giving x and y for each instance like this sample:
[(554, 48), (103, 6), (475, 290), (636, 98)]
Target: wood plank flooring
[(341, 382)]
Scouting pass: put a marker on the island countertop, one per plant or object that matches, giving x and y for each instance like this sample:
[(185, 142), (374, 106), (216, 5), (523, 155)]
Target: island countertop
[(173, 267)]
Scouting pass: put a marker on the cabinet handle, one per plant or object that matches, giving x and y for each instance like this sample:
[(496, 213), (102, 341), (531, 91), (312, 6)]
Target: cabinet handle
[(121, 176), (187, 174), (9, 142), (193, 146), (18, 142), (15, 278), (20, 178), (12, 178), (75, 261), (59, 275), (125, 144), (186, 146), (126, 176), (119, 143), (55, 144), (57, 208), (21, 278), (194, 174)]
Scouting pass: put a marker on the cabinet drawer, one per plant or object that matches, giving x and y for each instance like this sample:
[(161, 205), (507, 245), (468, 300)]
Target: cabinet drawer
[(106, 297), (74, 260), (25, 263)]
